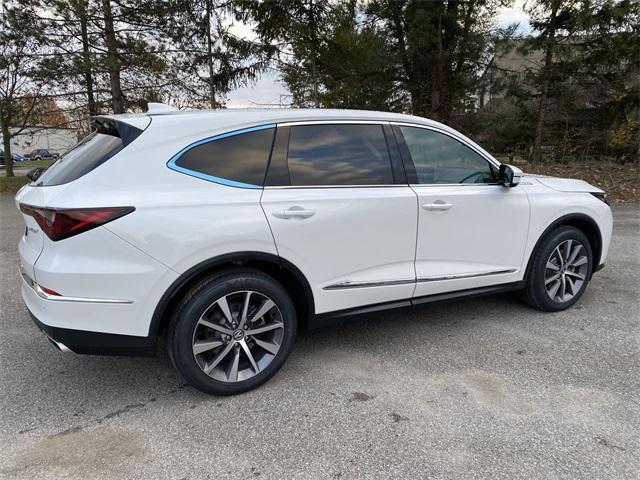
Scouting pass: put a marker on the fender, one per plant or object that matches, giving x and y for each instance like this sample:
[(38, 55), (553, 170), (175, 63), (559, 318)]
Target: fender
[(193, 272), (568, 220)]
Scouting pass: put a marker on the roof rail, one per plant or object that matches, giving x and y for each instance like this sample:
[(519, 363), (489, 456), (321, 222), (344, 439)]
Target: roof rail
[(153, 108)]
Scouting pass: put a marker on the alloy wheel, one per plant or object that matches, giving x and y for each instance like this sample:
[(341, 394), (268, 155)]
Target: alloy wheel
[(566, 271), (238, 336)]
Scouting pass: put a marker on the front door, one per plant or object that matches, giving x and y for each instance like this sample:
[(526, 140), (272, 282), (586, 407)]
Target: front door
[(472, 232)]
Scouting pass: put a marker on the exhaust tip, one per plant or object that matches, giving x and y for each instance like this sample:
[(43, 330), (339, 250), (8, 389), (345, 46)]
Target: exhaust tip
[(59, 345)]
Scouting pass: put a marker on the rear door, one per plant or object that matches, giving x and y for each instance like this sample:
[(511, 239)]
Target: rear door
[(472, 232), (340, 209)]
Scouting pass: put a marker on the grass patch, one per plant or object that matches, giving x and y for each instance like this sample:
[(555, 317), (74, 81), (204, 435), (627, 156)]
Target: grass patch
[(33, 163), (12, 184)]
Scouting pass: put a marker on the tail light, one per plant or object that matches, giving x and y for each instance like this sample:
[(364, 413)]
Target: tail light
[(61, 223)]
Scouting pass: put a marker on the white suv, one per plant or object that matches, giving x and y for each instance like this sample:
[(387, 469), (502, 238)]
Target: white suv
[(227, 231)]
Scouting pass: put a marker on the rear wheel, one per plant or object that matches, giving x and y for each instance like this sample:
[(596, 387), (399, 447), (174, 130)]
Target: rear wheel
[(560, 271), (232, 332)]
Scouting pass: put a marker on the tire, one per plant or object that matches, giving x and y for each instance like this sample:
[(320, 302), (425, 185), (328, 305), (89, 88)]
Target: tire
[(540, 290), (202, 338)]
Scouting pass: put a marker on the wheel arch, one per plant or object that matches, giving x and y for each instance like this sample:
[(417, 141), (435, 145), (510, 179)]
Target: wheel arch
[(280, 269), (582, 222)]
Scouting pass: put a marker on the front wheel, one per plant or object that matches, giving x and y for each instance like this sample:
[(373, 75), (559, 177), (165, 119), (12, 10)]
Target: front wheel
[(560, 271), (232, 332)]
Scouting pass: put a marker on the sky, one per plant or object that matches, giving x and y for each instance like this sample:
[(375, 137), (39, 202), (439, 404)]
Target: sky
[(269, 90)]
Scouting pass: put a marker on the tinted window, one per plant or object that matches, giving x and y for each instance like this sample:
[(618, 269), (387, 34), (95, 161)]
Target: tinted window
[(338, 155), (240, 158), (91, 152), (439, 158)]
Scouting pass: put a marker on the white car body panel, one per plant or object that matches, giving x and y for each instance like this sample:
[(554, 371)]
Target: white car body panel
[(99, 267), (362, 235), (469, 245), (566, 184), (550, 205)]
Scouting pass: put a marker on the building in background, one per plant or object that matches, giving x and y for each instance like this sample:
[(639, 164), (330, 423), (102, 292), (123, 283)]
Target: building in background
[(59, 139)]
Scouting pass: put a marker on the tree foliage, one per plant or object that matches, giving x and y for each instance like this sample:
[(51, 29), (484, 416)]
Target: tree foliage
[(21, 76), (63, 60)]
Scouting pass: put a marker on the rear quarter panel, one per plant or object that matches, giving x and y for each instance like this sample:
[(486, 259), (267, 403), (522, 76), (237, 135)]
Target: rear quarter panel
[(179, 220)]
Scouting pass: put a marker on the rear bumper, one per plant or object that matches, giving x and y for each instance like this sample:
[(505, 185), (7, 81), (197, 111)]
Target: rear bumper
[(96, 343), (71, 310)]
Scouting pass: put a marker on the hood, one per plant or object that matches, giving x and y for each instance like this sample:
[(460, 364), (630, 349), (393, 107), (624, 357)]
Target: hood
[(565, 184)]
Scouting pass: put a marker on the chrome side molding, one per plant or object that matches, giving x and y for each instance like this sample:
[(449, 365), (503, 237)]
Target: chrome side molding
[(388, 283), (465, 275)]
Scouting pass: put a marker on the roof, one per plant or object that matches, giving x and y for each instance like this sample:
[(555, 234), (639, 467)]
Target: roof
[(279, 114), (241, 116)]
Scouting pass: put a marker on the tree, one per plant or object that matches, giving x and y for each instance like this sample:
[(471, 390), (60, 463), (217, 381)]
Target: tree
[(21, 80), (549, 18), (355, 65), (441, 46), (587, 84), (44, 111), (210, 61), (112, 53), (292, 32)]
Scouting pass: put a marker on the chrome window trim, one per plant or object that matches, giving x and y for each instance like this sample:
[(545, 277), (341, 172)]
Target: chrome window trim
[(278, 187), (59, 298), (332, 122), (431, 185)]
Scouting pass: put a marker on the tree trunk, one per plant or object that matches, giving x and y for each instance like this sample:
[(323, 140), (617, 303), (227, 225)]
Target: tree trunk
[(550, 40), (212, 92), (86, 57), (113, 63), (419, 103), (6, 140), (314, 73), (437, 86), (314, 44), (536, 152)]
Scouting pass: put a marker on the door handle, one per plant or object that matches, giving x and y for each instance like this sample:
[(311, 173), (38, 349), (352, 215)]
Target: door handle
[(294, 212), (438, 206)]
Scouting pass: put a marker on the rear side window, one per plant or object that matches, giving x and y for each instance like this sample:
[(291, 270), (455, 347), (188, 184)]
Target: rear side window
[(238, 159), (338, 155), (95, 149)]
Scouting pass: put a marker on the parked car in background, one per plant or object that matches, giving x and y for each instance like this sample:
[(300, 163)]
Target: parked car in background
[(14, 156), (225, 232), (44, 154)]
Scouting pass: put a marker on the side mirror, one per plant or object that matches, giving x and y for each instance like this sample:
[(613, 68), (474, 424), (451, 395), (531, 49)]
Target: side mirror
[(35, 173), (509, 176)]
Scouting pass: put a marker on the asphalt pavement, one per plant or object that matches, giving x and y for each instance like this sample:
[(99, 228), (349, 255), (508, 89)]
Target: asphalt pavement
[(480, 388)]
